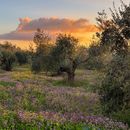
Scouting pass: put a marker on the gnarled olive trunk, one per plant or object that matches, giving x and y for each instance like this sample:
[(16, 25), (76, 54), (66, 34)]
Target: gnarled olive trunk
[(70, 70), (71, 76)]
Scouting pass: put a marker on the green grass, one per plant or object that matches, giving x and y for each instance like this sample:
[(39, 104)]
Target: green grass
[(7, 84), (84, 78), (78, 83), (123, 116), (82, 83), (44, 93), (11, 121)]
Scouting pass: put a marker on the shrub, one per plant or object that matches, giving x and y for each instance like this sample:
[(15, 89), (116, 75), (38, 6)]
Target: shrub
[(36, 65), (94, 63), (115, 87), (7, 58), (123, 116), (99, 56), (22, 57)]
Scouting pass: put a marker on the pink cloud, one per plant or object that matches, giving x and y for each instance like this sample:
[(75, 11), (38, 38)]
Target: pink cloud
[(53, 25), (23, 22)]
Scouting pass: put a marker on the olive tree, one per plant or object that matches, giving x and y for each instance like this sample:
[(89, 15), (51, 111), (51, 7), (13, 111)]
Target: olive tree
[(115, 34), (41, 54), (66, 55)]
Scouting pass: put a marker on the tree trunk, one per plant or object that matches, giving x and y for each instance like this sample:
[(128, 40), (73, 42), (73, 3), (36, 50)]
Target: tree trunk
[(70, 70), (71, 76)]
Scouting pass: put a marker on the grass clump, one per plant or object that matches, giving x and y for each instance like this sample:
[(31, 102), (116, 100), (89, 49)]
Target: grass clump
[(78, 83), (7, 84)]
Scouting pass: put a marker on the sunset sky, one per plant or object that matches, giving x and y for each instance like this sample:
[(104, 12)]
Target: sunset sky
[(19, 18)]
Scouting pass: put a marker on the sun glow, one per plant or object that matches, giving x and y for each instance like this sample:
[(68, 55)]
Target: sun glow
[(84, 40)]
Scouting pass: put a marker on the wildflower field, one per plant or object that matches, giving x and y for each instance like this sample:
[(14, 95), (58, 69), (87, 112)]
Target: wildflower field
[(37, 102)]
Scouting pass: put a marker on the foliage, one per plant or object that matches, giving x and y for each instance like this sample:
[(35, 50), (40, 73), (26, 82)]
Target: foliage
[(41, 56), (33, 102), (115, 32), (27, 120), (116, 85), (41, 38), (22, 57), (6, 84), (36, 64), (7, 58), (11, 54), (66, 56), (8, 46), (94, 63), (123, 116), (115, 36), (99, 56)]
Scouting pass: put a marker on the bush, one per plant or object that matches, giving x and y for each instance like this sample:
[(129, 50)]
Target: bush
[(7, 59), (36, 65), (94, 63), (98, 56), (115, 88), (123, 116), (22, 57)]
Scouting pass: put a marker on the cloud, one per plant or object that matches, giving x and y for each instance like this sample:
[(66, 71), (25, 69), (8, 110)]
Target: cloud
[(16, 35), (23, 22), (53, 25)]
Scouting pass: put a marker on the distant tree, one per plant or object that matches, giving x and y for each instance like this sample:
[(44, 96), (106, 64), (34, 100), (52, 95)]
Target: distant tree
[(41, 38), (96, 54), (40, 57), (8, 46), (65, 55), (22, 57), (7, 58), (37, 64)]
